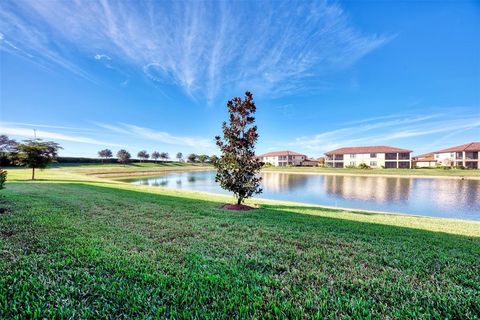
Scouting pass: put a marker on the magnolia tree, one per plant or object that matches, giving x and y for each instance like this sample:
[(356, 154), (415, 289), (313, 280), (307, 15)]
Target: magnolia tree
[(237, 167), (35, 154)]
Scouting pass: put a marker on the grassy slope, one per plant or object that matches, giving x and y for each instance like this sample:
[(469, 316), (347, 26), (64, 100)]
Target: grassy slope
[(406, 172), (78, 245)]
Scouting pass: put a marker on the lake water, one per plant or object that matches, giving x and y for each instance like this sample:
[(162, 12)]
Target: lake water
[(449, 198)]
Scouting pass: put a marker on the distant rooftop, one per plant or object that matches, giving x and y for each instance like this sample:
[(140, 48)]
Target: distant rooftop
[(369, 149), (472, 146), (280, 153)]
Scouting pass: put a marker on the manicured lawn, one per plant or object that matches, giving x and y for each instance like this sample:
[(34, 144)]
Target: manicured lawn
[(406, 172), (78, 246)]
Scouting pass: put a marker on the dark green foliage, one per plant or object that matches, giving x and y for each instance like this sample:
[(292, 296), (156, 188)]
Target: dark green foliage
[(363, 166), (192, 157), (213, 159), (203, 158), (3, 178), (34, 154), (95, 251), (164, 156), (123, 156), (238, 168), (179, 156)]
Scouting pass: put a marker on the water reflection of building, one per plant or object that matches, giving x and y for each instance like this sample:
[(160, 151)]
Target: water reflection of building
[(379, 189), (450, 192), (275, 181)]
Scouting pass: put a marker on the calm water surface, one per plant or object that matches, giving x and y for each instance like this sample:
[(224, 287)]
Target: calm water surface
[(449, 198)]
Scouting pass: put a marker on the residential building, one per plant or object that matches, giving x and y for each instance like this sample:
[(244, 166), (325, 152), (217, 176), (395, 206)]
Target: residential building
[(373, 156), (466, 155), (426, 160), (310, 163), (283, 158)]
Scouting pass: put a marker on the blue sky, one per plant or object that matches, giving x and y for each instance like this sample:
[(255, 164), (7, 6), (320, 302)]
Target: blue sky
[(156, 75)]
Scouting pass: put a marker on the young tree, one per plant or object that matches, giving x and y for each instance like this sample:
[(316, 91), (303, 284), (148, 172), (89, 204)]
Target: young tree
[(105, 154), (179, 156), (237, 167), (164, 156), (192, 157), (35, 154), (123, 156), (203, 158), (155, 155), (6, 146), (143, 155), (213, 159)]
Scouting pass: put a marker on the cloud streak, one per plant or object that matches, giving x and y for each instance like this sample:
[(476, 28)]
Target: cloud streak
[(392, 129), (28, 133), (204, 47), (155, 135)]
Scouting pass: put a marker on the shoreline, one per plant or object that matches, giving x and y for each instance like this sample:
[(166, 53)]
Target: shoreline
[(376, 175), (269, 201)]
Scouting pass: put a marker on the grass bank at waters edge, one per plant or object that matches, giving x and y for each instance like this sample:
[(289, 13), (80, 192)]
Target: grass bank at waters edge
[(132, 169), (474, 174), (73, 245)]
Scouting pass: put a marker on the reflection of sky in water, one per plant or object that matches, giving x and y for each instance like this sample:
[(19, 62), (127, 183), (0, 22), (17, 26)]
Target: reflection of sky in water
[(453, 198)]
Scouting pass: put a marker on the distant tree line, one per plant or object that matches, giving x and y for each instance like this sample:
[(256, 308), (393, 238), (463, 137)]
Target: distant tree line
[(123, 156)]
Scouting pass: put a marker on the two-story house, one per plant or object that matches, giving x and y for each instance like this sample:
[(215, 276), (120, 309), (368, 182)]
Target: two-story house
[(283, 158), (373, 156), (466, 155)]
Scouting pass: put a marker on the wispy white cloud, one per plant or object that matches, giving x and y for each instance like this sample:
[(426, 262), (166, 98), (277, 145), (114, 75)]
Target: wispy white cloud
[(155, 135), (204, 47), (101, 56), (28, 133), (392, 129)]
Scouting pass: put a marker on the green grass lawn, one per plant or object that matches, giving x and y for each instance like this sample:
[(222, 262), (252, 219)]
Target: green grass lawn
[(414, 172), (78, 246)]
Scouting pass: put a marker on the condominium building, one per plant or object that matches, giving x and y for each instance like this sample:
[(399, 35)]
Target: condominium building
[(466, 155), (283, 158), (373, 156), (426, 160)]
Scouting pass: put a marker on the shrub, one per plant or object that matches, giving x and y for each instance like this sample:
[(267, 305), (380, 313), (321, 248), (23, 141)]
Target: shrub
[(3, 178), (363, 166)]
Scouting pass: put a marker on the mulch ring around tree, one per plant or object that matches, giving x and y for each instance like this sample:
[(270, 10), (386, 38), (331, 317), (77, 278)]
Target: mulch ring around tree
[(238, 207)]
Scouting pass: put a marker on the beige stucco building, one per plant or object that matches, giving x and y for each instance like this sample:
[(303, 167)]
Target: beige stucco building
[(283, 158), (466, 155), (373, 156)]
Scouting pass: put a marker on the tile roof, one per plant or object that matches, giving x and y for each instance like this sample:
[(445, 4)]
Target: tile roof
[(281, 153), (370, 149), (472, 146)]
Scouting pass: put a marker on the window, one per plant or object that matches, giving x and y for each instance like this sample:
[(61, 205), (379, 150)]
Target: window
[(352, 163), (404, 164), (373, 163), (353, 155), (373, 155), (391, 165), (390, 156)]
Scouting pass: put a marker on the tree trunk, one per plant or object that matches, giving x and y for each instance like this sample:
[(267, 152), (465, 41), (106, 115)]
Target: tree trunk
[(239, 201), (33, 173)]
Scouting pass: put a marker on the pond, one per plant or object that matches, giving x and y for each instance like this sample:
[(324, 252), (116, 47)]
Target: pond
[(448, 198)]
